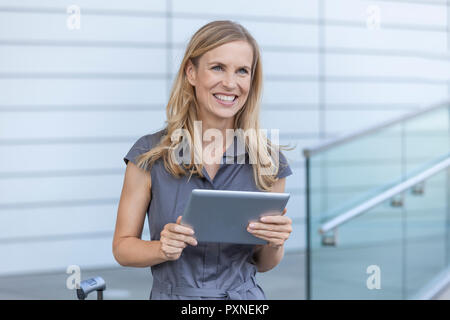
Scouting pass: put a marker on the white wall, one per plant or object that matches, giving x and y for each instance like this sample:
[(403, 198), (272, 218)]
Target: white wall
[(72, 102)]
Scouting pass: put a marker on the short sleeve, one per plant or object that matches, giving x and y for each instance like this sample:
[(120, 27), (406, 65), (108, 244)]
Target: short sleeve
[(141, 146), (284, 169)]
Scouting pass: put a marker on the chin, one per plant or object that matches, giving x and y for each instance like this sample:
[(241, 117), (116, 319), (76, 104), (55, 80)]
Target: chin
[(225, 114)]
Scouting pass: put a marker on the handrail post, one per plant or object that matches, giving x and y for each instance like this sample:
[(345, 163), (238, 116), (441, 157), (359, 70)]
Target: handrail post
[(308, 233)]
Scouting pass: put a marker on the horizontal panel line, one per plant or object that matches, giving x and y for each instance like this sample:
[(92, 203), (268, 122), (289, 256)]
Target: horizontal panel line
[(125, 139), (270, 48), (61, 203), (323, 191), (60, 173), (67, 140), (371, 106), (89, 235), (389, 26), (317, 22), (84, 172), (114, 171), (73, 75), (384, 79), (272, 78), (363, 162), (87, 11), (366, 79), (444, 55), (386, 214), (86, 43), (100, 234), (268, 19), (58, 237), (82, 108), (161, 107), (317, 247), (428, 2), (351, 51), (416, 27), (389, 52), (85, 202), (358, 79), (299, 191), (115, 201)]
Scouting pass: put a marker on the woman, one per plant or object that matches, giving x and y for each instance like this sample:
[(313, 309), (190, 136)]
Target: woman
[(219, 84)]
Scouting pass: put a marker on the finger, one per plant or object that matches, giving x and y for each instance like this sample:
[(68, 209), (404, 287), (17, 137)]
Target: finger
[(178, 228), (276, 219), (185, 225), (175, 243), (171, 252), (270, 234), (270, 227), (284, 212), (180, 237), (271, 241)]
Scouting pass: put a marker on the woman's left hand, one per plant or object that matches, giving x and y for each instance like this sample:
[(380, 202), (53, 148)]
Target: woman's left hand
[(274, 229)]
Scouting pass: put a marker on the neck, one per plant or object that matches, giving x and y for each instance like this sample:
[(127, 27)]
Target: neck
[(220, 124)]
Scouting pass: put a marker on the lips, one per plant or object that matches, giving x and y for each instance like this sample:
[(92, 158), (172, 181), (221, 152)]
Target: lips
[(225, 97), (225, 102)]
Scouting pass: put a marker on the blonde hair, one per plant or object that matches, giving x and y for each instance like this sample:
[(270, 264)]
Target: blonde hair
[(181, 109)]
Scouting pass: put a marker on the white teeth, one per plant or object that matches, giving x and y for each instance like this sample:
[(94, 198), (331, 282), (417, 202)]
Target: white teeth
[(224, 98)]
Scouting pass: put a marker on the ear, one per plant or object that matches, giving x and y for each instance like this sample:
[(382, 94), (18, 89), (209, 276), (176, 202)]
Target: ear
[(191, 73)]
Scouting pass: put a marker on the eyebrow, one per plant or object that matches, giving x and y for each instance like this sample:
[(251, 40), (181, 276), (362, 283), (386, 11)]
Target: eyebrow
[(221, 64)]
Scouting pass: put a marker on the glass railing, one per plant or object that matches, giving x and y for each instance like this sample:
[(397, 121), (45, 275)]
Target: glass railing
[(403, 241)]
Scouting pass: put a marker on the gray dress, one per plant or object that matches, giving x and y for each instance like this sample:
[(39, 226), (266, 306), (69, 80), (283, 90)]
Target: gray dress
[(208, 270)]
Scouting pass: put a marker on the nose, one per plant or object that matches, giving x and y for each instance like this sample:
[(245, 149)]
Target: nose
[(229, 81)]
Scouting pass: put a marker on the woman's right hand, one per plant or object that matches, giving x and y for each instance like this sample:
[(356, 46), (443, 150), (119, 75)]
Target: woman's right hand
[(174, 238)]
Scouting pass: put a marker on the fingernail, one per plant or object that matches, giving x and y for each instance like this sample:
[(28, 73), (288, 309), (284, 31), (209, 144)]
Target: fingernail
[(252, 225), (263, 219)]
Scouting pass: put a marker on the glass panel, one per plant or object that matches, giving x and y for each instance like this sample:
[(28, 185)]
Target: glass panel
[(426, 233), (410, 244), (372, 240), (426, 138), (350, 173)]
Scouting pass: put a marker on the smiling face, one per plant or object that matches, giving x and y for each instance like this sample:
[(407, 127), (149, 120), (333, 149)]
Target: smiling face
[(222, 80)]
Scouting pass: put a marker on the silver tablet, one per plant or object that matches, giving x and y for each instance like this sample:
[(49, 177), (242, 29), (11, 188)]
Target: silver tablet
[(223, 216)]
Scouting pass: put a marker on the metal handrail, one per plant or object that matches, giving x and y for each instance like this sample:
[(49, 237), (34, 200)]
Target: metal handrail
[(372, 202), (308, 152)]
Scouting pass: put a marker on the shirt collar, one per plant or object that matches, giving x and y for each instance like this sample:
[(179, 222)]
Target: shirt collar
[(235, 150)]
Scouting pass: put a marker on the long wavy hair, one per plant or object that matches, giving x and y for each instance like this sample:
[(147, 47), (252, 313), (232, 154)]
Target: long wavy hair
[(181, 110)]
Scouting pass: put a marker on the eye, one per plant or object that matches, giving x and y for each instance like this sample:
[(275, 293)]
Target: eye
[(214, 68), (244, 70)]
